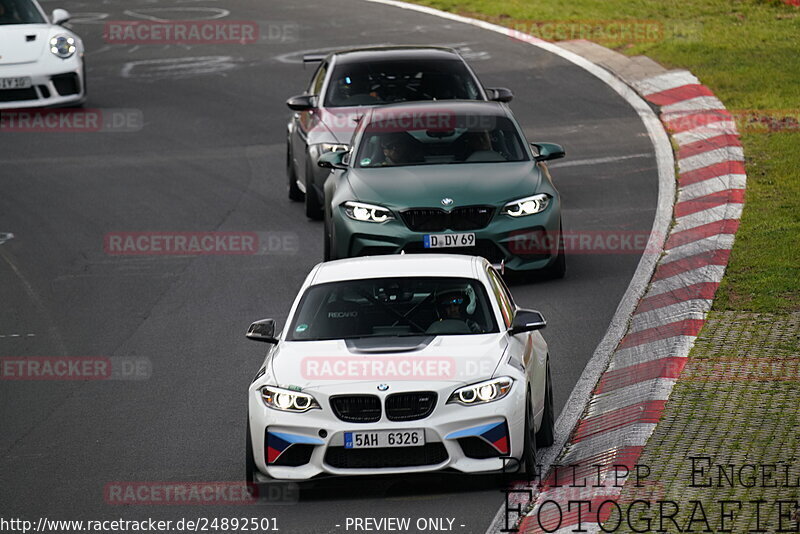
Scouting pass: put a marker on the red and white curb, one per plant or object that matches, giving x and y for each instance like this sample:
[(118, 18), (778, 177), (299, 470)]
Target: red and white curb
[(630, 396)]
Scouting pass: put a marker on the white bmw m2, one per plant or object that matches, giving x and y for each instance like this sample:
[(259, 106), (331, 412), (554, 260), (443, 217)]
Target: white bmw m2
[(400, 364)]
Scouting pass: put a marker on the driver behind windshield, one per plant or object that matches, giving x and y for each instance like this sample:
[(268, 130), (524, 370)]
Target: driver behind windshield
[(479, 146), (398, 149), (451, 308)]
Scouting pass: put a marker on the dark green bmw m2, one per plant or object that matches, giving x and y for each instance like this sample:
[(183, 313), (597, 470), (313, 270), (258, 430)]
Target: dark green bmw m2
[(448, 177)]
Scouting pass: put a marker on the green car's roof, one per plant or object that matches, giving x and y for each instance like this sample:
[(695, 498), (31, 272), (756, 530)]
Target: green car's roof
[(477, 108)]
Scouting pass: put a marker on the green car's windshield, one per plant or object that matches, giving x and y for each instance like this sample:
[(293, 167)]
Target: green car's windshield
[(19, 12), (392, 307), (386, 82), (432, 137)]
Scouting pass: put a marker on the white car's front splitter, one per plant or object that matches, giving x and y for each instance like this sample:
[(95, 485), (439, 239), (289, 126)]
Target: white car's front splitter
[(499, 426)]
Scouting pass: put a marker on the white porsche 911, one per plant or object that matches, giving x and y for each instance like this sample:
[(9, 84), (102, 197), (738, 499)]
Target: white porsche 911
[(399, 364), (41, 62)]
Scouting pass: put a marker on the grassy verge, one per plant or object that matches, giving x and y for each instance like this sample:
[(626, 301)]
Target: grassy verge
[(734, 406), (748, 53)]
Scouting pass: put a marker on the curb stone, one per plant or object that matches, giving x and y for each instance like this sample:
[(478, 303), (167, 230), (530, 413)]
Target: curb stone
[(629, 399)]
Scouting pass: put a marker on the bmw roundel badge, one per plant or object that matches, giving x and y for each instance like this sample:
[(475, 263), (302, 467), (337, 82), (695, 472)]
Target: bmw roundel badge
[(383, 387)]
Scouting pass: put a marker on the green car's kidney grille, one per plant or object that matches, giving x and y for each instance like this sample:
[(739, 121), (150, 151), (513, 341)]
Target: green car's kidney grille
[(438, 220)]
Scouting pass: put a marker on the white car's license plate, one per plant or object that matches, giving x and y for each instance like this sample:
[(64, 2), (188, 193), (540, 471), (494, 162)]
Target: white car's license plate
[(15, 83), (384, 438), (449, 240)]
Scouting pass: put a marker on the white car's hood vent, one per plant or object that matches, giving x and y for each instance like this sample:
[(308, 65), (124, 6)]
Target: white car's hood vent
[(22, 43), (372, 345)]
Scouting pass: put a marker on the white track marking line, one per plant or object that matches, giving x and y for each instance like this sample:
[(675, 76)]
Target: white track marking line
[(597, 161)]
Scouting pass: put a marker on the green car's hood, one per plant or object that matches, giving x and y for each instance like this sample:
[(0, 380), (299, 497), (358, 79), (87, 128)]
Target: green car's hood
[(427, 185)]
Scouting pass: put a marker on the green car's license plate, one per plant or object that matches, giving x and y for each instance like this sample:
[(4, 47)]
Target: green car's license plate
[(449, 240)]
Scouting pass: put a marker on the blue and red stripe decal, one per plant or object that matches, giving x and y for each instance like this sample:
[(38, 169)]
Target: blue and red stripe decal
[(495, 433), (278, 442)]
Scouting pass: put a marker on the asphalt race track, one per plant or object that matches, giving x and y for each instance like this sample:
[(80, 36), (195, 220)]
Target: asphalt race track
[(210, 157)]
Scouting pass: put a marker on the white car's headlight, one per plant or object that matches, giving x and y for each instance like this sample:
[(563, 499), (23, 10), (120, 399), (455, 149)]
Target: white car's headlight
[(367, 212), (288, 400), (482, 392), (528, 205), (63, 46)]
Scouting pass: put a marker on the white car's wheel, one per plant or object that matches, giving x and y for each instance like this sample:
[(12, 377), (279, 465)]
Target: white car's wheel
[(546, 434), (249, 462), (529, 447)]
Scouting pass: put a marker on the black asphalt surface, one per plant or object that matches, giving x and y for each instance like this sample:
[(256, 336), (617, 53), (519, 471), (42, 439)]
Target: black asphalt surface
[(210, 157)]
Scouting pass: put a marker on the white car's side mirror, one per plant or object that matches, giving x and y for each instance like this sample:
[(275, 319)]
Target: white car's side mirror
[(60, 16)]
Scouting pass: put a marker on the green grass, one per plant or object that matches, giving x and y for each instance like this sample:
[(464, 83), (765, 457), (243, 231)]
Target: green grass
[(748, 53)]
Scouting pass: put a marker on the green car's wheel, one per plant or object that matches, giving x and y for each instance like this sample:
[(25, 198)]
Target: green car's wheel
[(557, 269)]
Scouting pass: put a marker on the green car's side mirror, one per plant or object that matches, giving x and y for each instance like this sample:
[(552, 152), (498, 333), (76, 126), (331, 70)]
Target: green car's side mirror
[(548, 151), (332, 160)]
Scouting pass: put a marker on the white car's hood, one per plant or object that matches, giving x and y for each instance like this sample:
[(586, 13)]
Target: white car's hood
[(357, 364), (23, 43)]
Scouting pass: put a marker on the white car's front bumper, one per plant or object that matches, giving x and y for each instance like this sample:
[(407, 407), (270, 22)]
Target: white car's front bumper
[(321, 433), (55, 82)]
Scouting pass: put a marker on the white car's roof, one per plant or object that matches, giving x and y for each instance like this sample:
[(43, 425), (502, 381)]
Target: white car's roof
[(398, 265)]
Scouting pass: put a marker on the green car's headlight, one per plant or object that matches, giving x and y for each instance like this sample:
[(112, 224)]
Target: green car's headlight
[(527, 206), (287, 400), (367, 212), (63, 46), (482, 392)]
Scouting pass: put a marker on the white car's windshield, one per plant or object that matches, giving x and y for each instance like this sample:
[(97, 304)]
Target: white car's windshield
[(435, 136), (392, 307), (19, 12)]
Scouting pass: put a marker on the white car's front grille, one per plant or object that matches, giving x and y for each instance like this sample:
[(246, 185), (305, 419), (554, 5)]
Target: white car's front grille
[(357, 408), (410, 406)]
